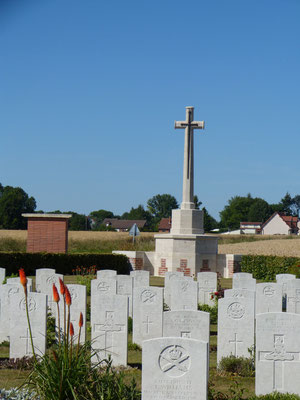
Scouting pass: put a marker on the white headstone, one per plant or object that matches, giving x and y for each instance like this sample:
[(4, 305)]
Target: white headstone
[(186, 324), (7, 291), (106, 273), (125, 288), (268, 297), (283, 279), (105, 287), (235, 327), (45, 285), (20, 343), (184, 295), (109, 325), (147, 313), (174, 369), (140, 278), (277, 353), (207, 285), (17, 281), (2, 275), (40, 274), (243, 280), (293, 296), (78, 305), (239, 293), (170, 276)]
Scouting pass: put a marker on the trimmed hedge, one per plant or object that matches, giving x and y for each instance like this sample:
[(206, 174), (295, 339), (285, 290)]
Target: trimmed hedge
[(62, 263), (267, 267)]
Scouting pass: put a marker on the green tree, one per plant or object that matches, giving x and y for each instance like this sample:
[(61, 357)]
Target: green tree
[(209, 222), (197, 202), (161, 206), (78, 222), (138, 213), (236, 211), (14, 201), (99, 216), (286, 203), (259, 211), (296, 205)]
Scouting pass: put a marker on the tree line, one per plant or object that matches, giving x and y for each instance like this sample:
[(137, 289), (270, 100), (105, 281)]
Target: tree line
[(14, 201)]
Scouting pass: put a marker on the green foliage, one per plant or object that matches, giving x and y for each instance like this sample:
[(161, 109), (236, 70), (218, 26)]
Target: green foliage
[(161, 206), (267, 267), (259, 211), (236, 392), (209, 223), (129, 325), (98, 217), (84, 276), (276, 396), (236, 211), (212, 310), (237, 365), (50, 336), (63, 263), (138, 213), (78, 222), (134, 346), (14, 201), (10, 276)]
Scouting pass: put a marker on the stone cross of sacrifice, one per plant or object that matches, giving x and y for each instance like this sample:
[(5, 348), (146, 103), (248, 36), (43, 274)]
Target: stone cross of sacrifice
[(188, 164)]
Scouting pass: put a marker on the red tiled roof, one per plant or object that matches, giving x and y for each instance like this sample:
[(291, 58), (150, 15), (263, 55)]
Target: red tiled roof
[(124, 223), (289, 220), (165, 223)]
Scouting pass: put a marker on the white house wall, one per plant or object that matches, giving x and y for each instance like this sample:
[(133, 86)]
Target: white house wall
[(276, 226)]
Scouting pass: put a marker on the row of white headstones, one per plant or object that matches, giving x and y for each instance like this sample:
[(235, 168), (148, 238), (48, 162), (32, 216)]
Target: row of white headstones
[(175, 343)]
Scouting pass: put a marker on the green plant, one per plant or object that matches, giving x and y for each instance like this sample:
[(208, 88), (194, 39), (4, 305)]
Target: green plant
[(213, 310), (129, 325), (51, 334), (11, 276), (134, 346), (235, 390), (84, 276), (237, 365)]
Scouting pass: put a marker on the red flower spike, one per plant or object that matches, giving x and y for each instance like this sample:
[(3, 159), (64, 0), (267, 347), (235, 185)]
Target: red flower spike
[(23, 279), (71, 329), (80, 320), (55, 293), (61, 287), (68, 296)]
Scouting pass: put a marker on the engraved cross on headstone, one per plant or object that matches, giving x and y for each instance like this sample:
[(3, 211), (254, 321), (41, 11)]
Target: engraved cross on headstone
[(147, 324), (278, 357), (235, 342), (109, 328), (188, 164), (28, 349)]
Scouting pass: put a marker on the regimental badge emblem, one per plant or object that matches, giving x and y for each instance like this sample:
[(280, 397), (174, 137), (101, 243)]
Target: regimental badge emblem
[(236, 310), (174, 361), (147, 296), (269, 291)]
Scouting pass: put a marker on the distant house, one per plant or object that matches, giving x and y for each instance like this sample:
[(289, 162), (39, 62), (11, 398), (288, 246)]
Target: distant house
[(123, 225), (280, 224), (165, 225), (250, 228)]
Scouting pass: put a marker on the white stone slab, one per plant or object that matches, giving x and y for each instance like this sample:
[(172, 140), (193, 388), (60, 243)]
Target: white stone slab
[(40, 273), (184, 295), (140, 278), (235, 327), (125, 288), (186, 324), (7, 291), (104, 287), (78, 305), (147, 313), (106, 273), (239, 293), (174, 369), (169, 276), (207, 285), (17, 281), (277, 353), (109, 323), (243, 280), (268, 297), (45, 285), (2, 275), (293, 296), (20, 343)]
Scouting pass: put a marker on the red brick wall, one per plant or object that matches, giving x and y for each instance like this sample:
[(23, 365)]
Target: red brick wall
[(163, 267), (137, 263), (205, 266), (47, 235), (233, 266), (184, 268)]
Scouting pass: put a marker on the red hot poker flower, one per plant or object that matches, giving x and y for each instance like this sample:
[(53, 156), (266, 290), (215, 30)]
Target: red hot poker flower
[(55, 293), (23, 279), (71, 329), (68, 296), (61, 286), (80, 320)]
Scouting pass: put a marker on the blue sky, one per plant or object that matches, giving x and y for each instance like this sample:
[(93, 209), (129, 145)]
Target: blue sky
[(89, 91)]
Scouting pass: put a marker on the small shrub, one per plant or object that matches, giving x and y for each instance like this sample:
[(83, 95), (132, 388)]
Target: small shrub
[(134, 346), (129, 325), (51, 335), (212, 310), (237, 365)]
